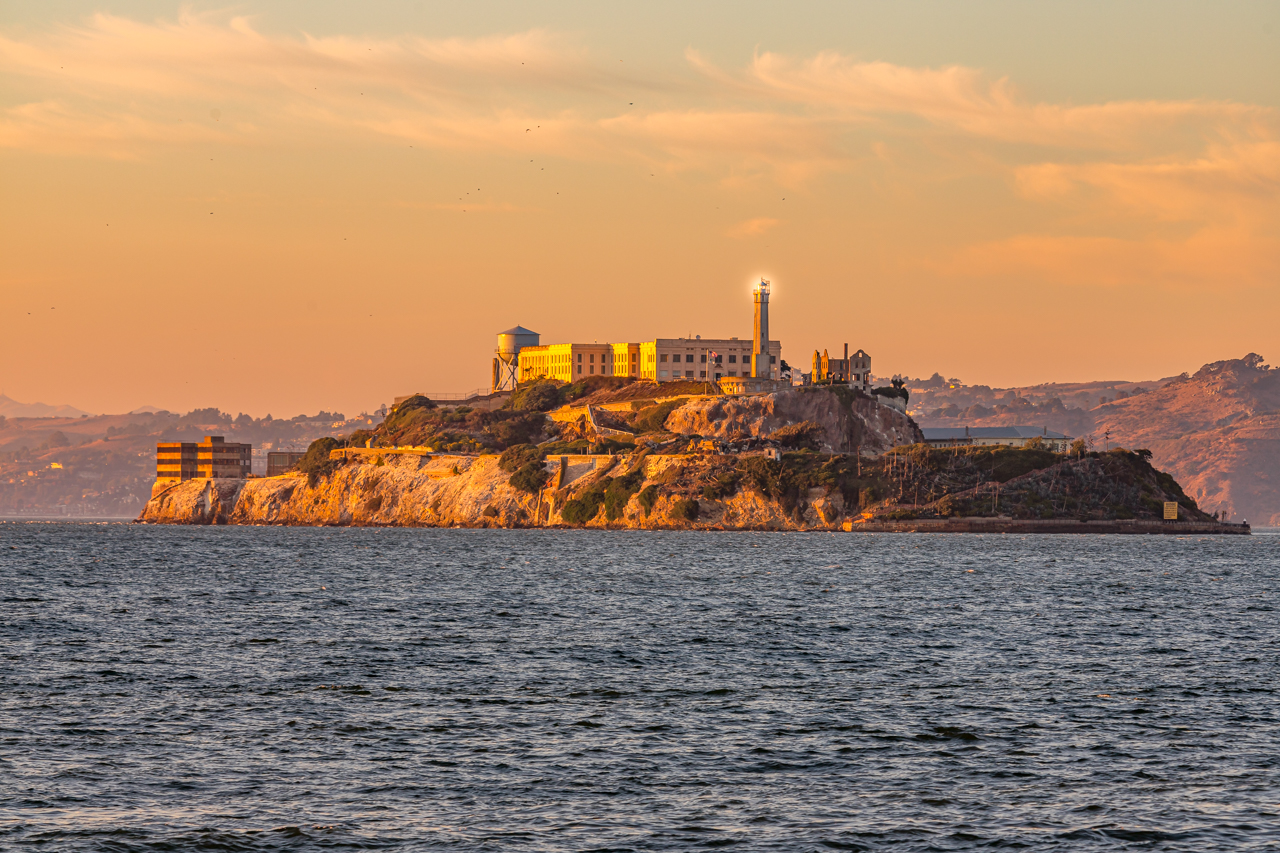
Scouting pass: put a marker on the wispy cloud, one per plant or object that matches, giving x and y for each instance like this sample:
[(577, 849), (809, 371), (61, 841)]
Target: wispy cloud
[(1139, 188), (752, 227)]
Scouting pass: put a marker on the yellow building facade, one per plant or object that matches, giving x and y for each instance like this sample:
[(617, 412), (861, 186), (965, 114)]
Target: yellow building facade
[(571, 362), (662, 360)]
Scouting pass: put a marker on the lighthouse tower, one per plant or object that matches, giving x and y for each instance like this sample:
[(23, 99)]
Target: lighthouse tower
[(760, 366)]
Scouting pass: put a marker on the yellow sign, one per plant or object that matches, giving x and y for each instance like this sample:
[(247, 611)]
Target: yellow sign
[(1170, 511)]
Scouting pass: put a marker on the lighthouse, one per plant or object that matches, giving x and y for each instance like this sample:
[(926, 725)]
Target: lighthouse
[(760, 365)]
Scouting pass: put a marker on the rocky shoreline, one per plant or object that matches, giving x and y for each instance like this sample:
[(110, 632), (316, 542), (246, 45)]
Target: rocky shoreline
[(642, 490)]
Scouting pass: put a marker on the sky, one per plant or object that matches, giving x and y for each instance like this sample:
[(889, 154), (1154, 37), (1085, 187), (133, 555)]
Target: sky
[(282, 207)]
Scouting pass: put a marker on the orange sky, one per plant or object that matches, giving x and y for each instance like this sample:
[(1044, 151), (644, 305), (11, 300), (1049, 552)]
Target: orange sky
[(283, 209)]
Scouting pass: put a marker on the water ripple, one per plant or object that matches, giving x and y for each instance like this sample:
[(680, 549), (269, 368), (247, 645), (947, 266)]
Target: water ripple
[(252, 689)]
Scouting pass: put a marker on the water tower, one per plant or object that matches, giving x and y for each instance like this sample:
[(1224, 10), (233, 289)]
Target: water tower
[(506, 360)]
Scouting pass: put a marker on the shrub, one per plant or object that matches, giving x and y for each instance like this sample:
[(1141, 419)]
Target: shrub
[(806, 434), (619, 492), (530, 477), (519, 429), (579, 510), (654, 418), (721, 485), (58, 440), (316, 464), (540, 396), (648, 497), (685, 510), (901, 393), (517, 456)]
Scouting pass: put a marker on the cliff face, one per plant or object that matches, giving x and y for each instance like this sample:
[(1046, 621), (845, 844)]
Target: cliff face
[(802, 491), (469, 492), (849, 422)]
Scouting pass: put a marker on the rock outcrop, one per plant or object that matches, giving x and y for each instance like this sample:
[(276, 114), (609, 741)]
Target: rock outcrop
[(850, 421)]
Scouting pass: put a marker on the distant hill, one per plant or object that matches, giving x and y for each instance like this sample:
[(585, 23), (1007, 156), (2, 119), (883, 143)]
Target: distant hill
[(1217, 432), (11, 408)]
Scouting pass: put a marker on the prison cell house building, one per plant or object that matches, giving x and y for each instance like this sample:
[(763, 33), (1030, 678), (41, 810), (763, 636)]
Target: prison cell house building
[(571, 362), (662, 359), (212, 458)]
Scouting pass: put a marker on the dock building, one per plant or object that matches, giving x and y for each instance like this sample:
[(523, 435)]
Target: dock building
[(212, 458), (1009, 436)]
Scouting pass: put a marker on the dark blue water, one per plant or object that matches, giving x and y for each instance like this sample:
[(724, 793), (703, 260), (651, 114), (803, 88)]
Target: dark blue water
[(296, 689)]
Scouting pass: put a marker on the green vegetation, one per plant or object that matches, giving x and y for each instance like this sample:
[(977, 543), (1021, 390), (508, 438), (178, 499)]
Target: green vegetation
[(901, 393), (685, 509), (525, 464), (542, 395), (804, 434), (585, 507), (722, 484), (619, 492), (648, 497), (419, 422), (519, 455), (530, 478), (316, 464), (654, 418)]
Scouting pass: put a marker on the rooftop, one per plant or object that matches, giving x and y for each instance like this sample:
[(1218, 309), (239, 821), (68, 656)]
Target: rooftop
[(944, 433)]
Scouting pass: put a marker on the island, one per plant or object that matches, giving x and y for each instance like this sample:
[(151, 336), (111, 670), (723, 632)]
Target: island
[(618, 453)]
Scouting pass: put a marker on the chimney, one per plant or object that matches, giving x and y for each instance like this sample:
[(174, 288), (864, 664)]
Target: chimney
[(760, 368)]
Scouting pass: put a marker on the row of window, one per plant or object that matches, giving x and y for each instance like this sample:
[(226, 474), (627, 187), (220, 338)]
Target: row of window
[(733, 359), (688, 374)]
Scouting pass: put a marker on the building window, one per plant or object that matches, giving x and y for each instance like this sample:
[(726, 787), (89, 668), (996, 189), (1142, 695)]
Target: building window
[(579, 368), (733, 359), (702, 374), (593, 358), (593, 368), (733, 373), (773, 359), (704, 358), (689, 358), (688, 374), (662, 374), (663, 358), (579, 359)]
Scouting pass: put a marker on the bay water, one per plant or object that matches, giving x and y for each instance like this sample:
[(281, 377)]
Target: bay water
[(245, 689)]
